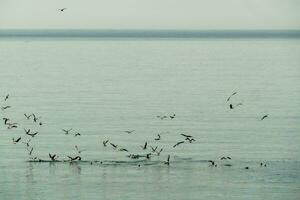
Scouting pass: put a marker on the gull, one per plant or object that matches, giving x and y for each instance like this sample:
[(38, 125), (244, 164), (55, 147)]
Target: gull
[(158, 153), (5, 107), (52, 157), (212, 162), (190, 139), (122, 149), (131, 131), (67, 131), (5, 120), (62, 9), (161, 117), (153, 149), (6, 97), (105, 142), (32, 134), (17, 140), (178, 143), (10, 126), (74, 158), (27, 116), (27, 131), (35, 118), (30, 151), (230, 106), (168, 160), (231, 96), (27, 143), (265, 116), (158, 137), (77, 149), (187, 136), (77, 134), (145, 146), (172, 116), (113, 145)]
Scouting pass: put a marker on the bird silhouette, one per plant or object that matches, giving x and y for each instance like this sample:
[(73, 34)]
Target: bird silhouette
[(67, 131), (6, 97), (62, 9), (5, 107), (158, 137), (17, 140), (145, 146), (178, 143), (105, 142), (231, 96), (27, 116), (168, 160), (131, 131), (265, 116)]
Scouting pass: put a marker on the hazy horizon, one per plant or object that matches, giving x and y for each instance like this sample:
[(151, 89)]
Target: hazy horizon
[(143, 14)]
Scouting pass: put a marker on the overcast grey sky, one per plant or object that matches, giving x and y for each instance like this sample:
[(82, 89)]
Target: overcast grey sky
[(151, 14)]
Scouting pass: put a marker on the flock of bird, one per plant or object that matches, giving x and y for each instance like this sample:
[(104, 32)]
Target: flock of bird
[(148, 151)]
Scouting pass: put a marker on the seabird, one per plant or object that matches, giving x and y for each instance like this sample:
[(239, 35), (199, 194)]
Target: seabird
[(67, 131), (35, 118), (74, 158), (153, 149), (62, 9), (30, 152), (5, 107), (158, 137), (131, 131), (158, 153), (212, 162), (113, 145), (265, 116), (122, 149), (32, 134), (6, 97), (231, 96), (77, 134), (17, 140), (187, 136), (145, 146), (27, 116), (105, 142), (77, 149), (10, 126), (161, 117), (230, 106), (178, 143), (190, 139), (26, 131), (5, 120), (52, 157), (168, 160), (172, 116)]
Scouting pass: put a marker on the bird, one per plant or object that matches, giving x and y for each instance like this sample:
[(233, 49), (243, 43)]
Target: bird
[(35, 118), (62, 9), (228, 165), (6, 97), (131, 131), (113, 145), (105, 142), (5, 107), (246, 167), (52, 157), (27, 143), (17, 140), (190, 139), (77, 134), (212, 162), (178, 143), (230, 106), (5, 120), (158, 153), (172, 116), (153, 149), (228, 157), (40, 123), (10, 126), (168, 160), (74, 158), (67, 131), (30, 151), (265, 116), (161, 117), (187, 136), (32, 134), (122, 149), (145, 146), (77, 149), (27, 131), (231, 96), (27, 116), (223, 158), (158, 138)]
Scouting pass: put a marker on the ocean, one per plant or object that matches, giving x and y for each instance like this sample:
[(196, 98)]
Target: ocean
[(103, 83)]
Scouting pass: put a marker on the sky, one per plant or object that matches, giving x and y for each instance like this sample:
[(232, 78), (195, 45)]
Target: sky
[(150, 14)]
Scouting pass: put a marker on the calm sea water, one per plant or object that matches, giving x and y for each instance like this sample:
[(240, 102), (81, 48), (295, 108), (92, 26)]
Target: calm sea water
[(103, 87)]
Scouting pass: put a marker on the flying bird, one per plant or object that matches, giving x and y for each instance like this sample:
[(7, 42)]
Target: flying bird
[(231, 96), (168, 160), (32, 134), (5, 107), (158, 137), (67, 131), (145, 146), (265, 116), (6, 97), (74, 158), (187, 136), (153, 149), (5, 120), (77, 134), (122, 149), (27, 116), (172, 116), (105, 142), (113, 145), (62, 9), (178, 143), (158, 153), (230, 106), (17, 140), (131, 131), (52, 157)]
